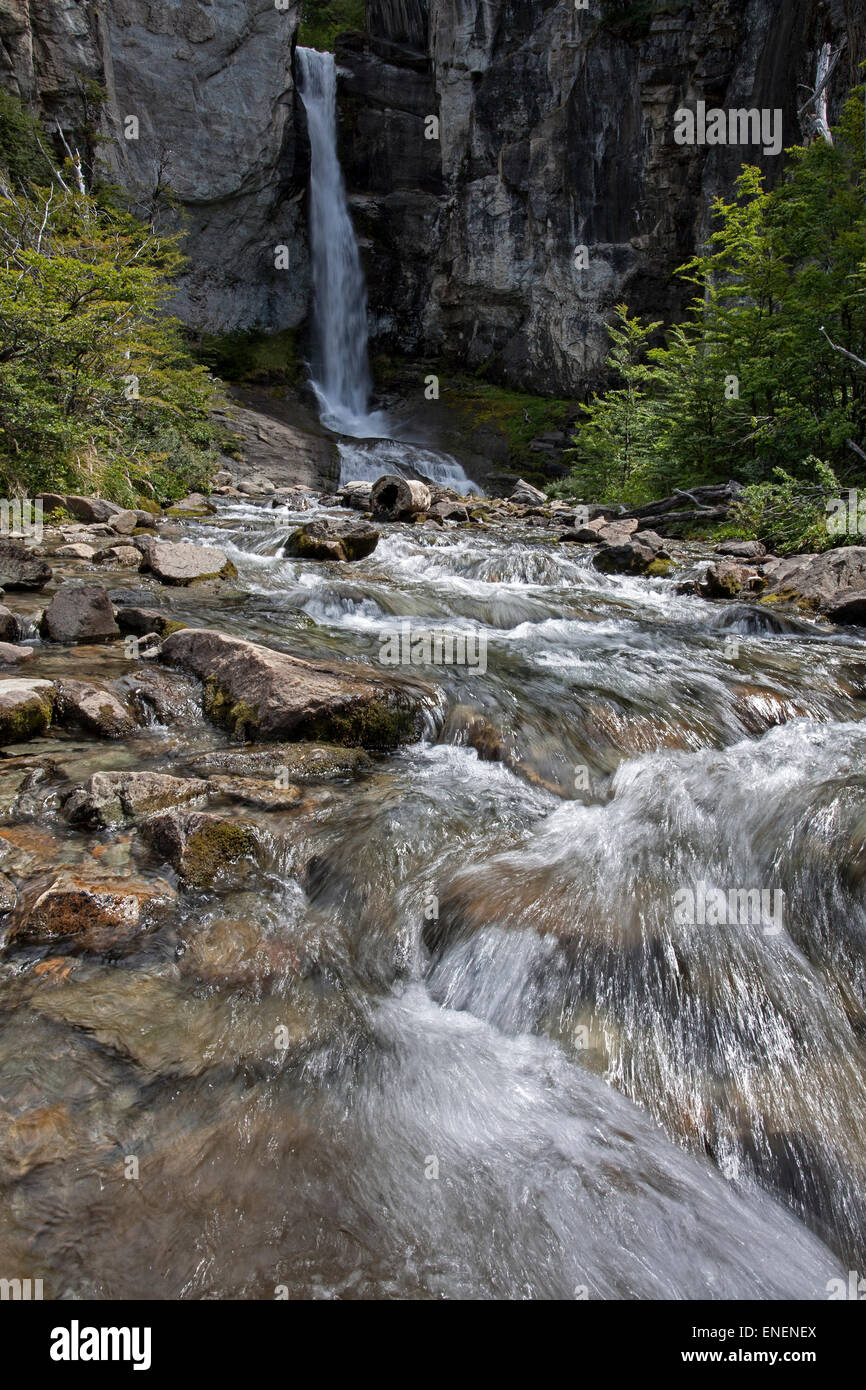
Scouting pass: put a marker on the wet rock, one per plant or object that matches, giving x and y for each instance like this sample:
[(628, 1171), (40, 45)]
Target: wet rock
[(94, 708), (306, 763), (208, 850), (11, 626), (236, 952), (194, 504), (356, 496), (76, 550), (742, 550), (816, 581), (848, 608), (727, 579), (140, 621), (332, 538), (122, 798), (259, 693), (255, 791), (395, 497), (183, 563), (97, 910), (20, 569), (165, 1030), (449, 511), (25, 708), (79, 613), (8, 895), (162, 697), (124, 523), (12, 655), (633, 557), (528, 495), (129, 556)]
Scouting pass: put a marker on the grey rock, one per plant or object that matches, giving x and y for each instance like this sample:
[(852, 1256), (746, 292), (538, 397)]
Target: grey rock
[(20, 569), (79, 613)]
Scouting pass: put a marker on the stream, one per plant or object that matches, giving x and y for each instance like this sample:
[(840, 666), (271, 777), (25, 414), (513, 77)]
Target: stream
[(525, 1077)]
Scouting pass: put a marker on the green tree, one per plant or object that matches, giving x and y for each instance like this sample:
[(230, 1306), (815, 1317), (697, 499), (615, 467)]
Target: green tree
[(97, 388)]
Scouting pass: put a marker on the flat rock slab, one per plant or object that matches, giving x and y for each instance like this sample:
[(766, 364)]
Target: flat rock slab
[(99, 911), (259, 693), (183, 563), (307, 763), (817, 580), (25, 708), (122, 798)]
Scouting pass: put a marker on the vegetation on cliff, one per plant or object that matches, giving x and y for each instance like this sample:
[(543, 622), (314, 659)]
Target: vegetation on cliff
[(98, 391), (754, 381)]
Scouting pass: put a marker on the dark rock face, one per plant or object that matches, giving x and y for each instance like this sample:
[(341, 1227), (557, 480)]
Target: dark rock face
[(556, 131)]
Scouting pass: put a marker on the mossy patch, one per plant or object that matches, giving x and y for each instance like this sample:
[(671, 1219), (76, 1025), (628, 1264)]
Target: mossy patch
[(659, 569), (213, 846), (237, 716), (260, 359)]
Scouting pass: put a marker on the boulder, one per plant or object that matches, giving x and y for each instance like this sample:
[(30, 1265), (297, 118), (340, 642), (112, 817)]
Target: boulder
[(94, 708), (332, 538), (90, 509), (183, 563), (633, 557), (449, 511), (356, 495), (124, 523), (208, 850), (259, 693), (141, 621), (742, 550), (122, 798), (79, 613), (848, 608), (129, 556), (816, 581), (20, 569), (76, 550), (394, 497), (97, 910), (527, 495), (255, 791), (11, 626), (727, 579), (194, 502), (11, 655), (25, 708)]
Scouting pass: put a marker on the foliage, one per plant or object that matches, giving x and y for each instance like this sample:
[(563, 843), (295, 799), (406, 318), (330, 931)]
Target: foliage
[(749, 383), (269, 359), (323, 20), (789, 515), (98, 391)]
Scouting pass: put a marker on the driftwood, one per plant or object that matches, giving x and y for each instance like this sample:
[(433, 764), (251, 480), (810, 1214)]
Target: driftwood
[(393, 496), (705, 516), (704, 498)]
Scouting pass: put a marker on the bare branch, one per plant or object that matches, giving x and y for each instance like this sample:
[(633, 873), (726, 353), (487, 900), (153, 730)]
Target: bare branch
[(844, 351)]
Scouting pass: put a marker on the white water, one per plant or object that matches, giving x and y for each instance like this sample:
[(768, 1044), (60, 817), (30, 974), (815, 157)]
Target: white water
[(341, 373)]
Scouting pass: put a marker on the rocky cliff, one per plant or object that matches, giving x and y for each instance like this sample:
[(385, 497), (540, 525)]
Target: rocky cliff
[(556, 131), (210, 85)]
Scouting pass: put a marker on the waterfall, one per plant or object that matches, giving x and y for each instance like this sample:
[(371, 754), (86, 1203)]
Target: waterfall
[(342, 375)]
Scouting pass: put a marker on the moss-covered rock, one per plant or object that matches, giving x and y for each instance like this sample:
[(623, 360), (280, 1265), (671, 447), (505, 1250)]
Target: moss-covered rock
[(206, 850), (25, 708)]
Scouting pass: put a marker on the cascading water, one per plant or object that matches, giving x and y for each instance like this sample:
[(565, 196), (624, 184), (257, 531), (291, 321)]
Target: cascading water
[(342, 380), (341, 377)]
